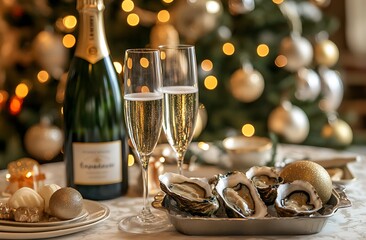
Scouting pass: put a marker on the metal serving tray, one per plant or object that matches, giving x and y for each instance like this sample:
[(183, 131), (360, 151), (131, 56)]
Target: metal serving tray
[(192, 225)]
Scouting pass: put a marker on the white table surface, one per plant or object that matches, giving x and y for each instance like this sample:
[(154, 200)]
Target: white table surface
[(347, 223)]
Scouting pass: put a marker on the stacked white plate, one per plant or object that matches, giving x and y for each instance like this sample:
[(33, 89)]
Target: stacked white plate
[(92, 214)]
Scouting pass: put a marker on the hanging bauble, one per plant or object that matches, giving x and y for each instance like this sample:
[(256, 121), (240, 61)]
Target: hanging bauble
[(326, 53), (43, 141), (321, 3), (163, 34), (308, 85), (246, 84), (290, 122), (194, 19), (297, 50), (201, 121), (338, 133), (237, 7), (332, 89), (50, 53)]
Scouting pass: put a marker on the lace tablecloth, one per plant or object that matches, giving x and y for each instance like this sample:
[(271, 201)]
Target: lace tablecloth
[(347, 223)]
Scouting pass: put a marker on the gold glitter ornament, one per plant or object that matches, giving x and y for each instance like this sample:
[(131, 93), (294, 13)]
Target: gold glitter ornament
[(311, 172)]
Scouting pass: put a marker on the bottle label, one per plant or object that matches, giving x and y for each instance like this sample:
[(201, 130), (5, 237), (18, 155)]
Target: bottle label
[(97, 163)]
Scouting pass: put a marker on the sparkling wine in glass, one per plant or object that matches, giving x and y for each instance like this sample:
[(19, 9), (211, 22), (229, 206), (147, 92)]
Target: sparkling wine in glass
[(143, 108), (180, 90)]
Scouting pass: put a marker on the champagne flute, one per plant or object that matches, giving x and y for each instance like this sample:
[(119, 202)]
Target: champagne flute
[(180, 90), (143, 108)]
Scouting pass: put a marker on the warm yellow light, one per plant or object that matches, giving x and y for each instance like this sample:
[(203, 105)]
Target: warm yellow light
[(204, 146), (145, 89), (131, 160), (15, 105), (69, 21), (127, 5), (210, 82), (3, 96), (262, 50), (68, 40), (277, 1), (28, 174), (163, 16), (22, 90), (212, 7), (129, 82), (133, 19), (43, 76), (144, 62), (118, 67), (129, 63), (206, 65), (281, 61), (168, 1), (248, 130), (162, 55), (228, 49)]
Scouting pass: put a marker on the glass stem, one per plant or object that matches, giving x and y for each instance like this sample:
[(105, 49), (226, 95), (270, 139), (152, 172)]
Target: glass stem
[(146, 212), (180, 162)]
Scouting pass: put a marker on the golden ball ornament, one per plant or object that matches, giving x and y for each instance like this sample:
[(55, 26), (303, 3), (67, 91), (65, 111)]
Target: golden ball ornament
[(298, 51), (163, 34), (66, 203), (43, 141), (311, 172), (290, 122), (338, 132), (326, 53), (246, 85)]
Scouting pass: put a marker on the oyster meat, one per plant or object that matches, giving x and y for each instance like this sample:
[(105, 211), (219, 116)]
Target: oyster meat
[(192, 195), (239, 196), (266, 180), (298, 198)]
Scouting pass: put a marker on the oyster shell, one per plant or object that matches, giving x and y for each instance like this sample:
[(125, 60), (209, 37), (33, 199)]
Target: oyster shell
[(298, 198), (266, 180), (240, 197), (191, 194)]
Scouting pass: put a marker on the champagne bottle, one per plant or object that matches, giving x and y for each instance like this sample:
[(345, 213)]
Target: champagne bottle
[(95, 147)]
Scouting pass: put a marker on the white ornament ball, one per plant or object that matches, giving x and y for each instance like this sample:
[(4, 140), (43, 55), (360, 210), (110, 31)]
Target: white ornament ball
[(246, 85), (43, 141), (332, 89), (308, 85), (50, 53), (194, 19), (298, 51), (290, 122)]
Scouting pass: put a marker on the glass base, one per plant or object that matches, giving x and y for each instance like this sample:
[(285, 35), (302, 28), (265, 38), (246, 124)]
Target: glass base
[(151, 224)]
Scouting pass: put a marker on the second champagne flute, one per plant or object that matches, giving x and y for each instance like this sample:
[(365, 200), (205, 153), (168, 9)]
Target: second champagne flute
[(144, 116), (180, 90)]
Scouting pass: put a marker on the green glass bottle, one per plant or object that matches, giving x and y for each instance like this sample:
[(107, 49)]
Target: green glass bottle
[(95, 147)]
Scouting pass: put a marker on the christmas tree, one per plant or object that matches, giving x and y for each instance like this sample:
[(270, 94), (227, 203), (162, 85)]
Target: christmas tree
[(264, 67)]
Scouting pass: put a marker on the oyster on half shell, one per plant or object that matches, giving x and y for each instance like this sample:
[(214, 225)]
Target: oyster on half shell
[(266, 180), (192, 195), (297, 198), (239, 195)]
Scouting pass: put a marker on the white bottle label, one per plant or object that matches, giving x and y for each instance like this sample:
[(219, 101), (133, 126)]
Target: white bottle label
[(97, 163)]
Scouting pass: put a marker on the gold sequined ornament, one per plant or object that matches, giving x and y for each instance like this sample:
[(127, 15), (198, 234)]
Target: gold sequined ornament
[(297, 50), (163, 34), (311, 172), (246, 84), (43, 141), (290, 122), (337, 132), (326, 53)]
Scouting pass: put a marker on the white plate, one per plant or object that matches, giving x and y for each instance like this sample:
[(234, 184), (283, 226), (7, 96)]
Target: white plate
[(83, 214), (97, 212)]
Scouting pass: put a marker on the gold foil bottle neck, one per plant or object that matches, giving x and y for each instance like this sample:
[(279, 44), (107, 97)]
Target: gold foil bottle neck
[(82, 4)]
